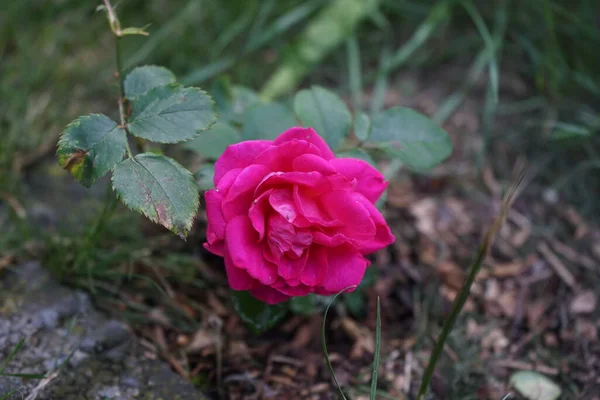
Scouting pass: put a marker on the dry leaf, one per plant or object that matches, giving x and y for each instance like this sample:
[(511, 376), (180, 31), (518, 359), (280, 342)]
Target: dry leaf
[(584, 302)]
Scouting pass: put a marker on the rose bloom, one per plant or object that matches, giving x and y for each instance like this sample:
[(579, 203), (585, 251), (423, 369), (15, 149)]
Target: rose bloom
[(292, 219)]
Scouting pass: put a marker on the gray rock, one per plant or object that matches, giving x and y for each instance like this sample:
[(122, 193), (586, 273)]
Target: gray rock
[(78, 352)]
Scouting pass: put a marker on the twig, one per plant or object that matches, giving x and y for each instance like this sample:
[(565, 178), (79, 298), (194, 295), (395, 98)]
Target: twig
[(42, 385), (557, 265)]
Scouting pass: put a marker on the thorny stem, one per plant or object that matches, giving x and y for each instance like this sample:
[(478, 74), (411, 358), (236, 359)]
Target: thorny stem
[(115, 26)]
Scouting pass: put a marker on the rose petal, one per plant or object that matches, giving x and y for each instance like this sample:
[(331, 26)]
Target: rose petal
[(227, 180), (312, 162), (330, 240), (217, 248), (344, 268), (268, 295), (316, 266), (298, 290), (258, 213), (282, 201), (314, 182), (383, 235), (370, 182), (239, 155), (288, 268), (245, 252), (238, 278), (355, 221), (215, 230), (280, 158), (307, 134), (310, 209), (239, 198)]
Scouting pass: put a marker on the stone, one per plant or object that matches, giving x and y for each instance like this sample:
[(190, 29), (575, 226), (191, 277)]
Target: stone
[(81, 353)]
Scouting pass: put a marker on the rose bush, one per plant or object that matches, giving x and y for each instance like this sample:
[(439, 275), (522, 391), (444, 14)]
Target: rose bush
[(290, 218)]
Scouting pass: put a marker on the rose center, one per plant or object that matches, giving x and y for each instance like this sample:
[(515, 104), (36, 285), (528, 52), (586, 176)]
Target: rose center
[(284, 238)]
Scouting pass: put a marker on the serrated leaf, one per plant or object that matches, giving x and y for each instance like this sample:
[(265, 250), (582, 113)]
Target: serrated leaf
[(144, 78), (362, 126), (171, 114), (411, 137), (212, 143), (535, 386), (204, 176), (267, 121), (325, 112), (90, 146), (257, 315), (159, 188)]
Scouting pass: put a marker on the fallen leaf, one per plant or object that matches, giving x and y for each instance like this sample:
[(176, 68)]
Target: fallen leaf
[(535, 386), (584, 302), (201, 340)]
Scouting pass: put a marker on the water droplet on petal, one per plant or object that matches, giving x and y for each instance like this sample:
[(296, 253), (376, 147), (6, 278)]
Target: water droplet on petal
[(287, 217), (308, 136), (255, 201), (217, 189)]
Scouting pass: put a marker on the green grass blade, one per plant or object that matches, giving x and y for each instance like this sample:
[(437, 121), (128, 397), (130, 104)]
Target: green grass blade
[(354, 74), (12, 355), (438, 13), (381, 82), (276, 28), (373, 393), (489, 43), (324, 341), (465, 290)]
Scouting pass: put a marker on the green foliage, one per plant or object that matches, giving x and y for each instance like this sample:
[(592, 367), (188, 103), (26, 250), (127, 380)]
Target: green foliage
[(362, 126), (159, 188), (324, 33), (162, 111), (259, 316), (142, 79), (411, 137), (171, 114), (204, 176), (267, 121), (214, 141), (90, 147), (303, 305), (325, 112)]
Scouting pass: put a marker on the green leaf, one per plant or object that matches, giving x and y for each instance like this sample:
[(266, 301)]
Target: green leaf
[(204, 176), (303, 305), (257, 315), (360, 154), (325, 112), (267, 121), (90, 146), (535, 386), (142, 79), (411, 137), (362, 126), (171, 114), (564, 130), (213, 142), (159, 188)]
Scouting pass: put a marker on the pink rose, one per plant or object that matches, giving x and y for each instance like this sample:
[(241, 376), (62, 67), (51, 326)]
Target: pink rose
[(291, 219)]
